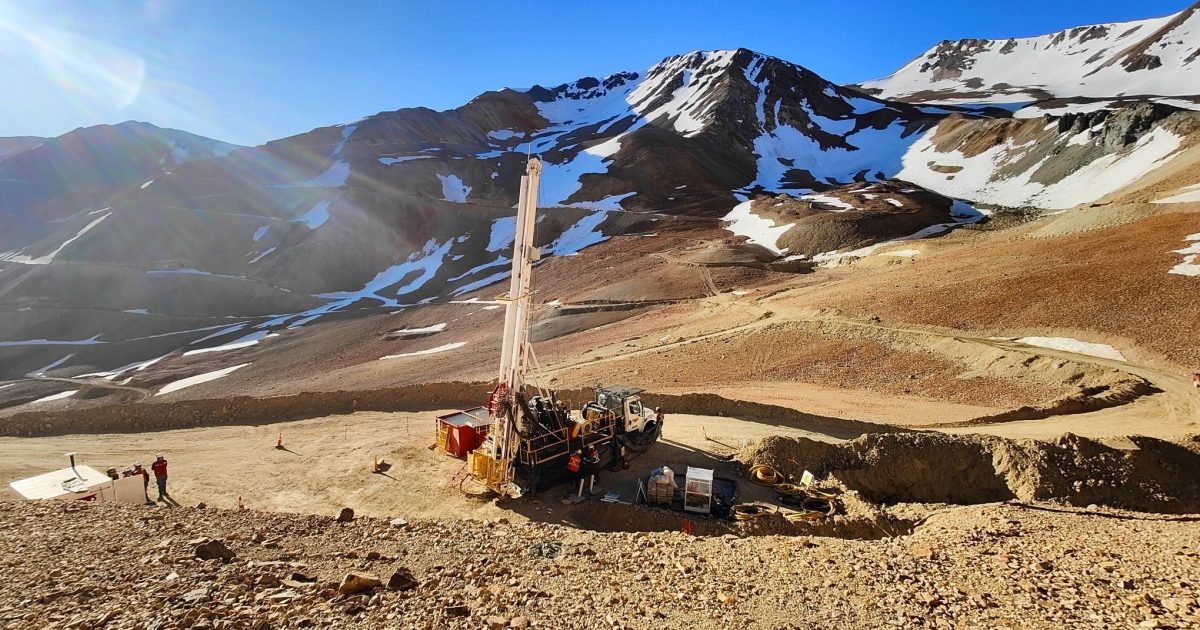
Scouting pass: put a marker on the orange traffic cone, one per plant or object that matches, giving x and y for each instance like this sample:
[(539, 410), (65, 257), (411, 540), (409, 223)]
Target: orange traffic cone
[(279, 442)]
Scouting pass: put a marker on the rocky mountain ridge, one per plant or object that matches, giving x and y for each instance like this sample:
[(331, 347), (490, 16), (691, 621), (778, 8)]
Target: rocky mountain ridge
[(1151, 58), (165, 249)]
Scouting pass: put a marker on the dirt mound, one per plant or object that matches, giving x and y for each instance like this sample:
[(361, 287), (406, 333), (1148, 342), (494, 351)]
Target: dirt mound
[(851, 216), (1154, 476)]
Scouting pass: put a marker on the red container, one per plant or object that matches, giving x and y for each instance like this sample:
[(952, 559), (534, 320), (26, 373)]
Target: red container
[(461, 432)]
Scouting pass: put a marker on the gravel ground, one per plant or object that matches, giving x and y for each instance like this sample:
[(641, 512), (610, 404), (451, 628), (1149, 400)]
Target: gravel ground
[(1005, 565)]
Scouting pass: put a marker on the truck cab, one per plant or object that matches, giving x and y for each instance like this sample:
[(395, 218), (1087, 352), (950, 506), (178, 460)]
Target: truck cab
[(624, 402)]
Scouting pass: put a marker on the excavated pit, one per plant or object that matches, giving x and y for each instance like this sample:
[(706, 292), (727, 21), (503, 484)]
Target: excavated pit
[(858, 523), (1146, 474)]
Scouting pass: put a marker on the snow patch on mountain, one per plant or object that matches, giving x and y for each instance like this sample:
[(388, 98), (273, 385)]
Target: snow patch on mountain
[(838, 204), (1190, 194), (445, 348), (58, 396), (758, 230), (583, 233), (260, 255), (93, 340), (245, 342), (421, 267), (1101, 350), (504, 231), (453, 188), (48, 258), (1191, 253), (198, 379), (505, 134), (976, 178), (347, 131), (388, 161), (316, 216), (500, 261), (46, 368)]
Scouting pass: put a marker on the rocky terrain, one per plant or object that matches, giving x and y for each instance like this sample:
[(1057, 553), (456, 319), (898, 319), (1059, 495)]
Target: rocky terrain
[(965, 296), (1003, 565)]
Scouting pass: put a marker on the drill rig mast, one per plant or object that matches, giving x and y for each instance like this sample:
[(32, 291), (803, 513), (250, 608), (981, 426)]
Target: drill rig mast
[(532, 435)]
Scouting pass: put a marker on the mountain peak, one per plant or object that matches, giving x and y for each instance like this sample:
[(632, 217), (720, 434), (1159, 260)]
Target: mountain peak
[(1150, 57)]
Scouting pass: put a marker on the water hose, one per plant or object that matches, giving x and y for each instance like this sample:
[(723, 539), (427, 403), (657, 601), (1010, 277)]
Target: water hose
[(750, 511)]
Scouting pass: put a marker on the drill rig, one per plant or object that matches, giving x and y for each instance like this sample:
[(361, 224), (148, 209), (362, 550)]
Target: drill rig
[(532, 434)]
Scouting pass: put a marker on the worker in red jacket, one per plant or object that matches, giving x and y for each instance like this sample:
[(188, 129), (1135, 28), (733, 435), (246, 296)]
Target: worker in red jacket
[(160, 475)]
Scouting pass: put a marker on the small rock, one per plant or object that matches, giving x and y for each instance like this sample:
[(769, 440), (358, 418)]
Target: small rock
[(496, 622), (267, 580), (456, 610), (213, 550), (398, 523), (519, 622), (355, 582), (345, 515), (402, 580)]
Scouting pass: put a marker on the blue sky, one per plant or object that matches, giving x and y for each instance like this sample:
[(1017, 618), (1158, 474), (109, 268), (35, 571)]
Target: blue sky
[(248, 71)]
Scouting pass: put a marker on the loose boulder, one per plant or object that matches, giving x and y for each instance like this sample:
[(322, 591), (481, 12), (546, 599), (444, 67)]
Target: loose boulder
[(402, 580), (210, 549), (356, 582)]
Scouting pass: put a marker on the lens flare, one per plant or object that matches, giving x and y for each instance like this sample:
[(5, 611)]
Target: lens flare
[(96, 75)]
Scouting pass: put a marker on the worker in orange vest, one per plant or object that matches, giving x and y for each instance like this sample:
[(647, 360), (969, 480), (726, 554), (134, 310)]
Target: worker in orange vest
[(575, 462)]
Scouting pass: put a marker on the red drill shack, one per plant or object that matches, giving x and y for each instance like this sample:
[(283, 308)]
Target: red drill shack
[(461, 432)]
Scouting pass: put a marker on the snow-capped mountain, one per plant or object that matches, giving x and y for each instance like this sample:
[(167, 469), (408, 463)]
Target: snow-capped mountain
[(167, 241), (1153, 57)]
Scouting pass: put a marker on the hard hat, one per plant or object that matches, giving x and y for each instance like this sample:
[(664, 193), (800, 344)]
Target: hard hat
[(137, 464), (158, 456)]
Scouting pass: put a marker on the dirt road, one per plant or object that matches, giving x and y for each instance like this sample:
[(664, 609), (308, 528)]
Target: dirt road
[(1172, 412)]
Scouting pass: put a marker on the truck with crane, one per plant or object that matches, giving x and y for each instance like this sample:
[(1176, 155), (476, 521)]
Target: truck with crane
[(532, 433)]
